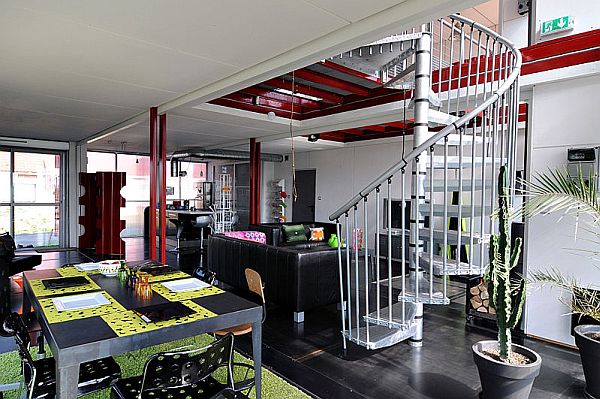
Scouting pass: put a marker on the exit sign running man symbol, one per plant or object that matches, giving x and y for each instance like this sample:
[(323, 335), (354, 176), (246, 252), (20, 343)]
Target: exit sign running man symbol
[(557, 25)]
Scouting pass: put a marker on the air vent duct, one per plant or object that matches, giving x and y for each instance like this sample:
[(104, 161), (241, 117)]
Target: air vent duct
[(203, 154)]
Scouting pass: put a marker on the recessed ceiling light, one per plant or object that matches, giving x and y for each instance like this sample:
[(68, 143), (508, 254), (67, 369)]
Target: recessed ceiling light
[(300, 95)]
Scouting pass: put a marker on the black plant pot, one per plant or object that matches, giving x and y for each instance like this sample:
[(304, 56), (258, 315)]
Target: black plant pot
[(589, 349), (505, 381)]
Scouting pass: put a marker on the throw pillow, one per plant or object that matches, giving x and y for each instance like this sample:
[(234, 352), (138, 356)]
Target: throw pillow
[(317, 234), (294, 233)]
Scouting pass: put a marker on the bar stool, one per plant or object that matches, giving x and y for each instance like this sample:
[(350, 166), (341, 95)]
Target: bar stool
[(202, 222)]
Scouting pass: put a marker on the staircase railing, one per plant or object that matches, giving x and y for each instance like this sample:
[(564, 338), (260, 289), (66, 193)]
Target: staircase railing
[(388, 272)]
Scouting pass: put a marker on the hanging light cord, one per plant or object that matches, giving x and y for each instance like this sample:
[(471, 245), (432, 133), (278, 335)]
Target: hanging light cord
[(294, 192)]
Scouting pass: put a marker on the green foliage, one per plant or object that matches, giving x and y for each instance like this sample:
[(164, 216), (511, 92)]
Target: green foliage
[(506, 296), (557, 191)]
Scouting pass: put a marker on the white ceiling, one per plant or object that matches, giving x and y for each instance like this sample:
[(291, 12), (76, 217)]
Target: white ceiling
[(72, 68)]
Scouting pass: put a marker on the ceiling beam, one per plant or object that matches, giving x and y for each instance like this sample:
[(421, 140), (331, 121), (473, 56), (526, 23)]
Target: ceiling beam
[(352, 72), (403, 15), (228, 102), (266, 102), (267, 93), (326, 96), (332, 82), (354, 132)]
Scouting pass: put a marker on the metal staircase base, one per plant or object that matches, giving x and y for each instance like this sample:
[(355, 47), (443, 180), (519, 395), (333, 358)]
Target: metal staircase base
[(396, 321), (424, 296), (452, 269), (379, 336)]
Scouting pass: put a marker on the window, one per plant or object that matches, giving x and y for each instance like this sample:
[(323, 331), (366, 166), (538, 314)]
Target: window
[(30, 208)]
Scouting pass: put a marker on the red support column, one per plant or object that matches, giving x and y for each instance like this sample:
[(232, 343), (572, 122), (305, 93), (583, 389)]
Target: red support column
[(162, 162), (252, 177), (153, 173), (254, 181), (257, 182)]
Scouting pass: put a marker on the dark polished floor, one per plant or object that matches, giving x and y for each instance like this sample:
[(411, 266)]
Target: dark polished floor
[(310, 354)]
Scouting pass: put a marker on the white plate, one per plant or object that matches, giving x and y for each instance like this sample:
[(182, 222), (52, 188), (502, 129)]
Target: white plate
[(186, 284), (86, 267), (82, 301)]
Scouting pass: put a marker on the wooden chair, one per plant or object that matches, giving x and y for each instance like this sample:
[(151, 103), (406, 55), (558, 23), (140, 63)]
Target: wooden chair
[(256, 286)]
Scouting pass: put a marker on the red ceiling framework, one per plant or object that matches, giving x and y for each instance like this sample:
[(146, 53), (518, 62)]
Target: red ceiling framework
[(319, 93)]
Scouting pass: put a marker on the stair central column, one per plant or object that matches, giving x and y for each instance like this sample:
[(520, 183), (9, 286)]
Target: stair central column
[(419, 172)]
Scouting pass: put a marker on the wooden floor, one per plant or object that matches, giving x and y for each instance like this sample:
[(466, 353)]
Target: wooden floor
[(310, 354)]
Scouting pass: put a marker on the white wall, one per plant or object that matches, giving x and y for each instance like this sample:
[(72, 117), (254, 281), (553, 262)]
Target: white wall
[(585, 12), (515, 27), (564, 115), (342, 172)]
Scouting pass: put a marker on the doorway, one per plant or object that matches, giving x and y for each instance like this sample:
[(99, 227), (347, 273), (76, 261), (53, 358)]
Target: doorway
[(303, 209), (30, 204)]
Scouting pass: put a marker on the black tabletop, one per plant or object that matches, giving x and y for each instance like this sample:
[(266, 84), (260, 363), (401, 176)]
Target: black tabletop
[(89, 330)]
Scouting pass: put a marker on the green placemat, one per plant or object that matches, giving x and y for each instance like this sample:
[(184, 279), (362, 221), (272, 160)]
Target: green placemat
[(183, 296), (54, 316), (129, 323), (169, 276), (71, 271), (37, 286)]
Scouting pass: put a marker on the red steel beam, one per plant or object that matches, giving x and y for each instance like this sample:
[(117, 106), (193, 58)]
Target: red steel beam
[(264, 102), (153, 173), (334, 136), (354, 132), (374, 128), (351, 72), (268, 93), (162, 162), (329, 81), (326, 96)]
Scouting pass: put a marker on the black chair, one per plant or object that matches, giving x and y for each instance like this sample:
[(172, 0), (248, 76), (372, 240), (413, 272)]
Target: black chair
[(188, 374), (39, 375)]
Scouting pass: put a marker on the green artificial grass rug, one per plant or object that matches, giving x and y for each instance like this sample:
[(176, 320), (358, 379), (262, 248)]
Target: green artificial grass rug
[(132, 364)]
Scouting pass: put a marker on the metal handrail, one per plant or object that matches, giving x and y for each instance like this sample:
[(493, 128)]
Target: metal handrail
[(450, 129)]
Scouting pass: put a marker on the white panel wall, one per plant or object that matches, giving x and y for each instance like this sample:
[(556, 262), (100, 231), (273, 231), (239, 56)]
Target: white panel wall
[(342, 172), (585, 13), (515, 26), (565, 114)]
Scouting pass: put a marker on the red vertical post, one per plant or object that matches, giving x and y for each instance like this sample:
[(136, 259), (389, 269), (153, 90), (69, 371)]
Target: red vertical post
[(153, 173), (252, 181), (257, 182), (162, 213)]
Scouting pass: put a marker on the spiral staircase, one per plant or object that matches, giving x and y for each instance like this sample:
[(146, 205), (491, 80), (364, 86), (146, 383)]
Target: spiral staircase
[(464, 82)]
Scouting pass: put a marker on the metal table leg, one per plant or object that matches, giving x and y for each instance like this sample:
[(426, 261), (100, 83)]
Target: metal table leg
[(67, 379), (257, 355)]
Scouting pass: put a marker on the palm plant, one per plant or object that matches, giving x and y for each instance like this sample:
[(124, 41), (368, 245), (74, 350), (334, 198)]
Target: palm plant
[(556, 191)]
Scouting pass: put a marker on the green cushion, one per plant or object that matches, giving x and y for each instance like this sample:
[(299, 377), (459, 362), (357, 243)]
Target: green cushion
[(294, 233)]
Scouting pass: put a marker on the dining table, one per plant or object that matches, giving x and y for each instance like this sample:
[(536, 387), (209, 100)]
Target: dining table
[(78, 336)]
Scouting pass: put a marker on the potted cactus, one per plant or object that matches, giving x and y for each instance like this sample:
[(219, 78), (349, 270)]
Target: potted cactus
[(506, 370)]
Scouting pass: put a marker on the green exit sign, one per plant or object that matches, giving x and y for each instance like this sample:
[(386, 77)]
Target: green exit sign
[(557, 25)]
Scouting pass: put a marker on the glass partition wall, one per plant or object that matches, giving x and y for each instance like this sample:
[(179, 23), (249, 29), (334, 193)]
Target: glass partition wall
[(31, 198)]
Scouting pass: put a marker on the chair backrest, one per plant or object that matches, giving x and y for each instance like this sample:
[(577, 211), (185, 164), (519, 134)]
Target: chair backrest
[(255, 285), (168, 370)]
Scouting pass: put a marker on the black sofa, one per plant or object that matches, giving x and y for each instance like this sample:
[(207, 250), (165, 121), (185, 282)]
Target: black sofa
[(275, 237), (299, 277)]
